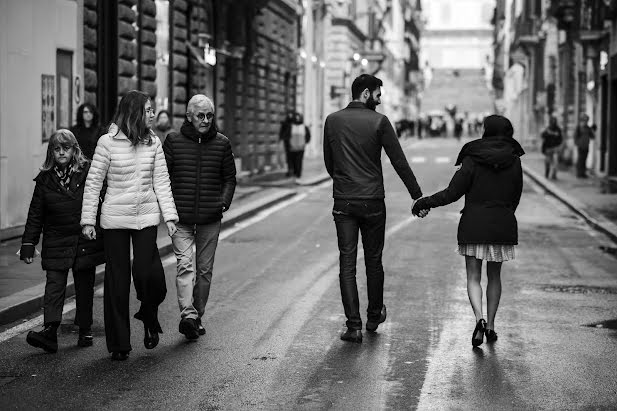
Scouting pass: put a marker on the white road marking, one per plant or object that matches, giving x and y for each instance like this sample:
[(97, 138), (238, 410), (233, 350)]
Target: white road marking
[(440, 160), (418, 159), (69, 305)]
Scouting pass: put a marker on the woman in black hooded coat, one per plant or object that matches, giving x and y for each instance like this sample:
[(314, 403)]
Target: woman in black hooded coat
[(491, 179)]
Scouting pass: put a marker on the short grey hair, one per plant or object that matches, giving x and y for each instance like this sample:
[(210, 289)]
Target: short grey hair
[(198, 99)]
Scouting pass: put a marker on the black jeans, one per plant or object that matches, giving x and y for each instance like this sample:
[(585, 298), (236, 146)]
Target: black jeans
[(581, 162), (369, 218), (148, 277), (55, 290), (296, 158)]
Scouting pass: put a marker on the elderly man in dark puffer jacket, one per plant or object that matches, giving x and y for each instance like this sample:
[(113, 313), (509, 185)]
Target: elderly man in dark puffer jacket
[(203, 179)]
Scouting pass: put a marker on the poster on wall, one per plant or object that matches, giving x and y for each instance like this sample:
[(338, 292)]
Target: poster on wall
[(64, 103), (48, 87)]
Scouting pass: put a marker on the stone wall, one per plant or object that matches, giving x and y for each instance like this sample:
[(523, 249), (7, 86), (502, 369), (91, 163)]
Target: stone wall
[(90, 50)]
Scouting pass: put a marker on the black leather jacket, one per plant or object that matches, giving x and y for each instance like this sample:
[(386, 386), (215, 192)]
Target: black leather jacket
[(353, 139)]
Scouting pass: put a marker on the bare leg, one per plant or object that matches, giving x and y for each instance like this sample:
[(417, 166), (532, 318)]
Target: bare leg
[(493, 292), (474, 289)]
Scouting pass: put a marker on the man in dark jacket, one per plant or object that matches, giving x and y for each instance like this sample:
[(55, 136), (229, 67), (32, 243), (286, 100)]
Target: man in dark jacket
[(353, 140), (203, 179)]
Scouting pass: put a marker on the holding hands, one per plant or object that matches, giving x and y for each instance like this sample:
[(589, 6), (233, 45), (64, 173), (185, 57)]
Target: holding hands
[(420, 208)]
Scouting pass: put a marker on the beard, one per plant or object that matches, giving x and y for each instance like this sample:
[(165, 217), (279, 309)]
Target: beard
[(371, 103)]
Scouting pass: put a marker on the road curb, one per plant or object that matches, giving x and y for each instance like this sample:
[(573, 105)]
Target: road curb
[(596, 221), (26, 302)]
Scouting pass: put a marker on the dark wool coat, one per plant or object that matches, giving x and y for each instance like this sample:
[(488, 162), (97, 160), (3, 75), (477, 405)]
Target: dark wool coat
[(56, 212), (491, 179), (202, 173), (87, 138)]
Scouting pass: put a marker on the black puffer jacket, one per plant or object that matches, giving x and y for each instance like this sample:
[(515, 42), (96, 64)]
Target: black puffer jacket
[(56, 212), (202, 172), (491, 179)]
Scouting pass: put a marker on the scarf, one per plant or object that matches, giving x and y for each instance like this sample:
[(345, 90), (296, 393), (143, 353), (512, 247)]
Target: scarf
[(64, 175)]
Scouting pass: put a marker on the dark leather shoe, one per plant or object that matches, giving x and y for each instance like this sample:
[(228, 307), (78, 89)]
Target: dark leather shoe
[(46, 339), (119, 355), (151, 338), (188, 327), (372, 325), (200, 328), (478, 333), (352, 335), (85, 338), (491, 336)]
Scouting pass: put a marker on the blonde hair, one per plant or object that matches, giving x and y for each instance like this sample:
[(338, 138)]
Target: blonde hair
[(63, 136)]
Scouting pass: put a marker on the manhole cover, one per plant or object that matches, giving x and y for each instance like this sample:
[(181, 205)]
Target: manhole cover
[(580, 289), (610, 324)]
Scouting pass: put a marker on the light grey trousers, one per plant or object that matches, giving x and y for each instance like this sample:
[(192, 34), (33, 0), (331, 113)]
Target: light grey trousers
[(193, 285)]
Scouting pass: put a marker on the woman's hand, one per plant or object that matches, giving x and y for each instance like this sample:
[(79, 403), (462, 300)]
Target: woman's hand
[(89, 232), (171, 228)]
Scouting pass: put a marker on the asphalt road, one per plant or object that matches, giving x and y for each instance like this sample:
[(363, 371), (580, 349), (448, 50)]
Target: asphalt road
[(274, 318)]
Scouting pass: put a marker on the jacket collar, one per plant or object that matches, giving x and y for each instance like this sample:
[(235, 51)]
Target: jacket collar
[(356, 104), (188, 130)]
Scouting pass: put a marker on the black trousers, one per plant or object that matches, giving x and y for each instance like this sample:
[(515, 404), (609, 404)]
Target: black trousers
[(581, 162), (55, 290), (148, 277), (367, 217), (295, 159)]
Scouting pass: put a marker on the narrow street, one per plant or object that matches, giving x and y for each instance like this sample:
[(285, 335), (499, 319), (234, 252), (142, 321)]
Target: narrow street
[(274, 317)]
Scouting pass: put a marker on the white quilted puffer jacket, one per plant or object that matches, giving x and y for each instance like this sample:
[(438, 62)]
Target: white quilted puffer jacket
[(137, 184)]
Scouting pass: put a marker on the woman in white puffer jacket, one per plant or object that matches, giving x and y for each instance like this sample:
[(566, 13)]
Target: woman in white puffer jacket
[(130, 158)]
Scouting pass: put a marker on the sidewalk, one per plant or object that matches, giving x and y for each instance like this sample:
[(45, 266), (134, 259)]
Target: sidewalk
[(22, 285), (586, 197)]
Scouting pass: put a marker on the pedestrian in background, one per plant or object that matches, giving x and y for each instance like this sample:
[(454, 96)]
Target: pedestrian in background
[(582, 136), (131, 158), (299, 136), (552, 139), (87, 129), (163, 125), (54, 210), (285, 136), (203, 180), (353, 140), (491, 179)]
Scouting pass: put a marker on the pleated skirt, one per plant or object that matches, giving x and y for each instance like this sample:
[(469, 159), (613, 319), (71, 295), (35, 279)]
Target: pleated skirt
[(488, 252)]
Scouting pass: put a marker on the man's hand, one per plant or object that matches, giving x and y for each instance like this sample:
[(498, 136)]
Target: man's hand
[(171, 228), (89, 232)]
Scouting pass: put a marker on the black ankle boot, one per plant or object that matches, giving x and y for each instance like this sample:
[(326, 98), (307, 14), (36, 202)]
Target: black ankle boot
[(46, 339), (85, 338)]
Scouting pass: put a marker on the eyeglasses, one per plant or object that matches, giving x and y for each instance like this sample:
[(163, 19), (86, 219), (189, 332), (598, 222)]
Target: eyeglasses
[(62, 147), (203, 116)]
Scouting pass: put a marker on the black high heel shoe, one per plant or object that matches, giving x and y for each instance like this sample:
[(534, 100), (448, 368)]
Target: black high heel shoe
[(491, 336), (151, 337), (477, 337)]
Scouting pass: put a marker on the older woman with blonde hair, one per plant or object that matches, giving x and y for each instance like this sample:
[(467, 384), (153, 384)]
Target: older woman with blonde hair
[(54, 211), (130, 158)]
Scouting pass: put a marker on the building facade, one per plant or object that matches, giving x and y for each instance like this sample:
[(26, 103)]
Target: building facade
[(558, 58), (242, 54)]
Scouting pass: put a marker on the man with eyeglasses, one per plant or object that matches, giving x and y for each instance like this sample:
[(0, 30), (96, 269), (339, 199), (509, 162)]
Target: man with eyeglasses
[(203, 180)]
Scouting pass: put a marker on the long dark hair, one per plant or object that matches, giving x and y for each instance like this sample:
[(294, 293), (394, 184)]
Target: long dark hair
[(80, 115), (65, 137), (130, 117)]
